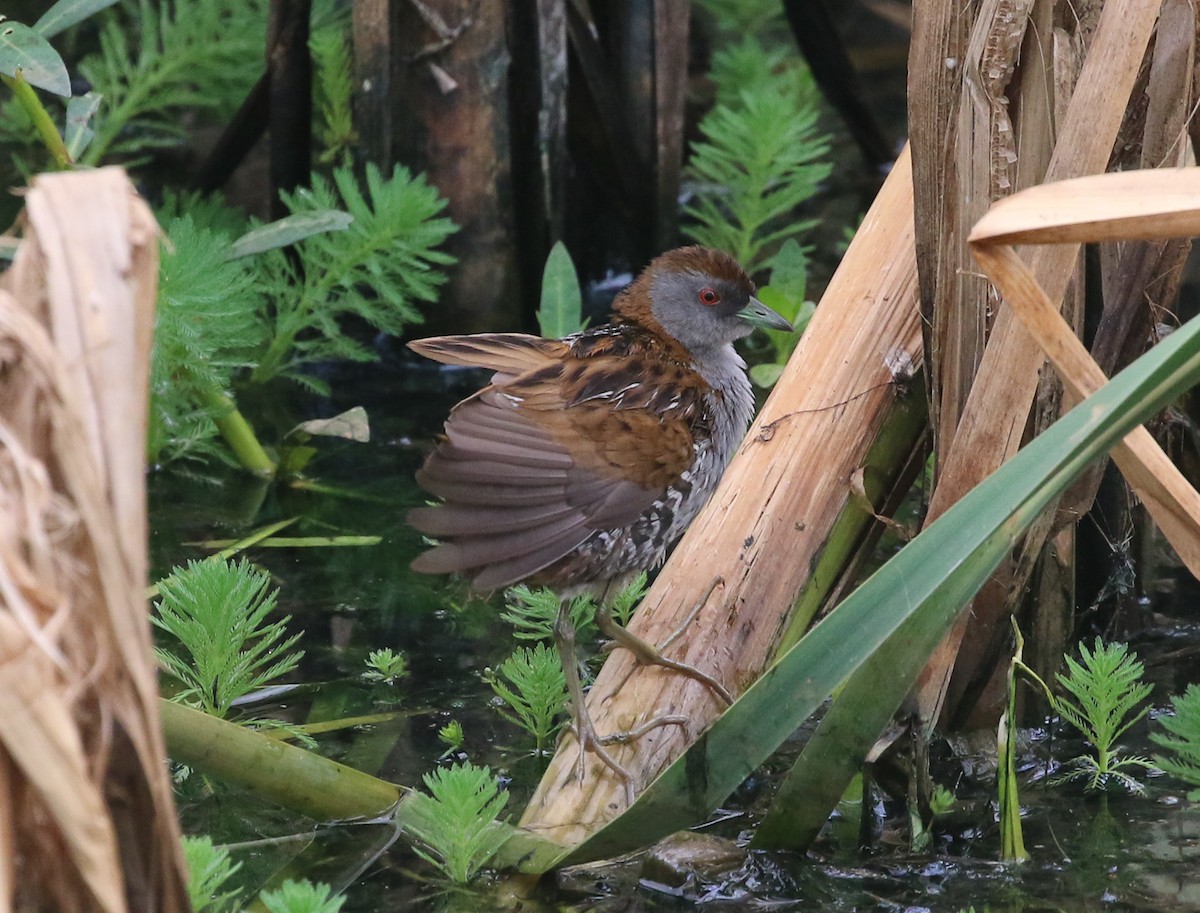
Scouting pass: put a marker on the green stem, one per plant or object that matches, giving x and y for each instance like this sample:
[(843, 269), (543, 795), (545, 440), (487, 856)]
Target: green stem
[(333, 491), (42, 121), (309, 784), (1012, 842), (237, 433), (292, 777)]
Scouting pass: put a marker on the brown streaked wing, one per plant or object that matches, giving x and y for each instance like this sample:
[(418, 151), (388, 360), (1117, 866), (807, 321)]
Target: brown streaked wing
[(640, 433), (509, 353), (528, 473)]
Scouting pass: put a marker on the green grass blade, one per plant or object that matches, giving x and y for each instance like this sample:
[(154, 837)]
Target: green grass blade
[(67, 13), (900, 613), (289, 230)]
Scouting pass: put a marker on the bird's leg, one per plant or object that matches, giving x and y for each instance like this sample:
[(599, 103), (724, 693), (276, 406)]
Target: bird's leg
[(648, 654), (691, 615), (585, 733)]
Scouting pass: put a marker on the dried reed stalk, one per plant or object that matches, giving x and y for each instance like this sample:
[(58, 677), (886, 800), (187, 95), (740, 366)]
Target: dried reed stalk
[(752, 548), (995, 412), (1146, 204), (87, 819)]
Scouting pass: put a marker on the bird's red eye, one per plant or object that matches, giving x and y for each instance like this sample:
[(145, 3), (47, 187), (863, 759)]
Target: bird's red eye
[(709, 296)]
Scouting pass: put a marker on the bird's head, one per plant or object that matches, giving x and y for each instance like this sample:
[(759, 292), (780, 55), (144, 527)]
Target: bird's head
[(697, 296)]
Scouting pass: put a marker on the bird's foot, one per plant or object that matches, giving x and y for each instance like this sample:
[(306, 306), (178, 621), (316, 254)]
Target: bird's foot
[(650, 655), (590, 741), (632, 735), (585, 736)]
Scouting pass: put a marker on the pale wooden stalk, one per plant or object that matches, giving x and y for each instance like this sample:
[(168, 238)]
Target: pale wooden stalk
[(1001, 141), (995, 413), (755, 542), (91, 821), (1170, 500)]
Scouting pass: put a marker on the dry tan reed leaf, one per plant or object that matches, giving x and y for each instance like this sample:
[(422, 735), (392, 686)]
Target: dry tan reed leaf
[(39, 734), (994, 417), (37, 726), (92, 823), (1121, 206), (1144, 204)]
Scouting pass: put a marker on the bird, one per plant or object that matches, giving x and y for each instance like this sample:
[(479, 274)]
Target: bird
[(585, 458)]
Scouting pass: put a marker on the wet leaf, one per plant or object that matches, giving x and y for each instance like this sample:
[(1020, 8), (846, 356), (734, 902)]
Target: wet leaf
[(67, 13), (80, 111), (25, 53), (289, 230), (351, 425)]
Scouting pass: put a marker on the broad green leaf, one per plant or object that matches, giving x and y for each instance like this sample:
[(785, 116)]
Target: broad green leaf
[(80, 111), (878, 639), (26, 53), (289, 230), (789, 274), (561, 310), (67, 13), (765, 375)]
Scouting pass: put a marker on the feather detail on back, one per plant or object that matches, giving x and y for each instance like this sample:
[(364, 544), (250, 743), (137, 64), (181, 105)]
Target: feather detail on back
[(508, 353), (571, 439), (585, 458)]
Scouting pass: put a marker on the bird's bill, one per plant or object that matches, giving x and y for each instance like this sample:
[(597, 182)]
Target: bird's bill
[(758, 314)]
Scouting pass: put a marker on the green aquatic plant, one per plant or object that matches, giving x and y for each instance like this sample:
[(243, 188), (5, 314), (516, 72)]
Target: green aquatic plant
[(217, 612), (379, 269), (333, 86), (159, 60), (1181, 739), (531, 683), (385, 666), (155, 62), (1103, 691), (452, 736), (532, 614), (301, 896), (236, 307), (760, 157), (627, 600), (453, 825), (208, 327), (738, 17), (533, 689), (209, 869)]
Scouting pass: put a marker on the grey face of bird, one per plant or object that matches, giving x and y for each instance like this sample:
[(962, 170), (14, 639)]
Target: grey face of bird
[(705, 312)]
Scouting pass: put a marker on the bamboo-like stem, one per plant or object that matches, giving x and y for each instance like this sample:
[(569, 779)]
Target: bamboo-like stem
[(42, 121), (309, 784), (765, 526), (994, 415), (238, 433), (289, 776)]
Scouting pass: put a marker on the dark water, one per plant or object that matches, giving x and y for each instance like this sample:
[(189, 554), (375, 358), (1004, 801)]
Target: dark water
[(1088, 853), (1118, 854)]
